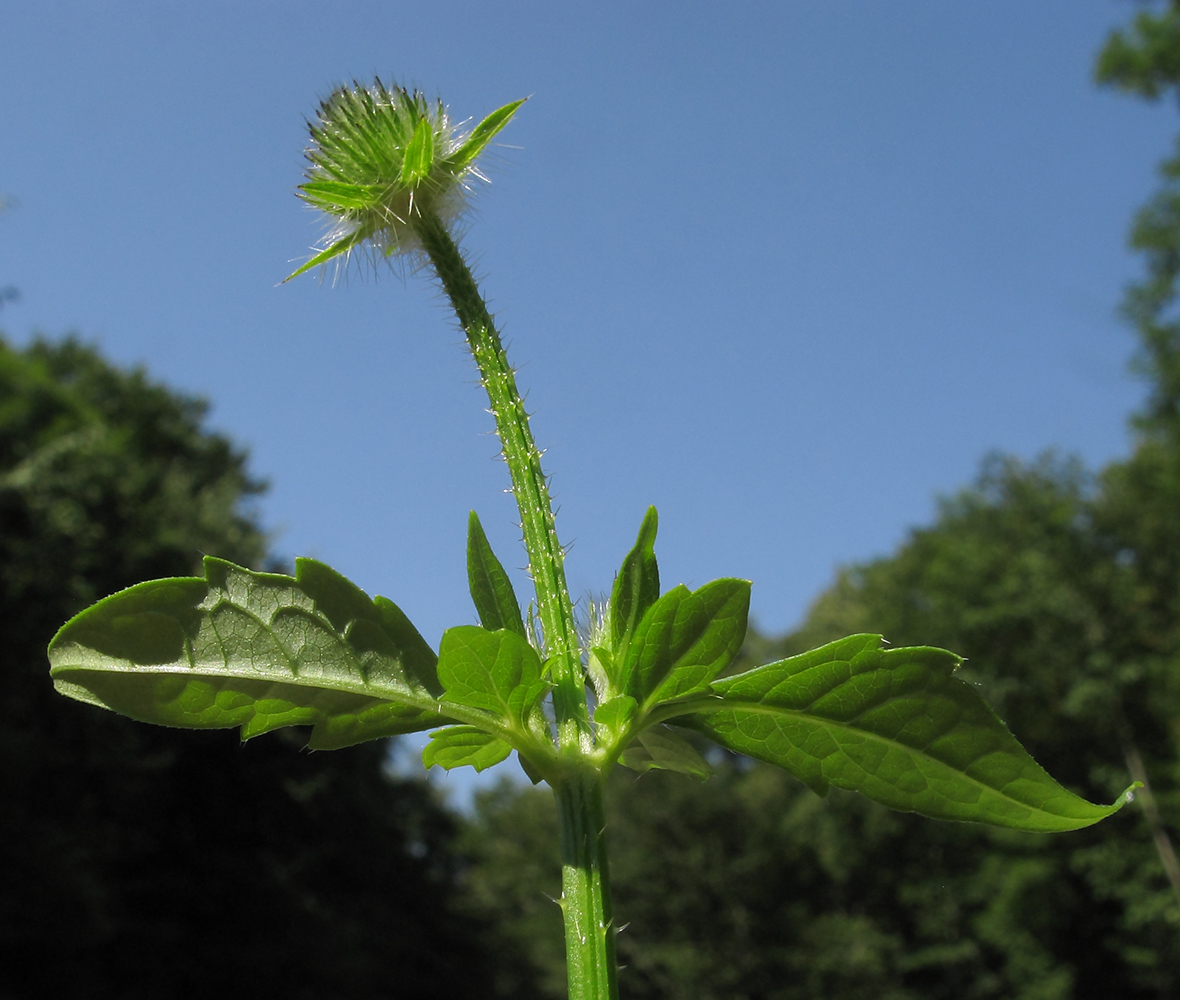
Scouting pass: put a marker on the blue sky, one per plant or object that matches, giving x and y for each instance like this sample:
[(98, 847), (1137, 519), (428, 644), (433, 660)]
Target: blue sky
[(785, 270)]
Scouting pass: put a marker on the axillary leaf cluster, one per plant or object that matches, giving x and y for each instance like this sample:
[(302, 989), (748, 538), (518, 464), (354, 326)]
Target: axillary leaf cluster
[(260, 651)]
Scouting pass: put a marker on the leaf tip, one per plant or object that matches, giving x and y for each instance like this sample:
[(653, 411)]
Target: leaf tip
[(1127, 796)]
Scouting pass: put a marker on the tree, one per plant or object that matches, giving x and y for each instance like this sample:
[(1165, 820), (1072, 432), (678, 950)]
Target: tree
[(1035, 576), (1146, 61), (129, 854)]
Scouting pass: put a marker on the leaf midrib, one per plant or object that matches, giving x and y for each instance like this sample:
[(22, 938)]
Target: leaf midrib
[(447, 711), (757, 708)]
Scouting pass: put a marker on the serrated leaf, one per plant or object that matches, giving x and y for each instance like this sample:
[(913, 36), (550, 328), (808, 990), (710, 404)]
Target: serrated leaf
[(459, 746), (659, 748), (498, 672), (491, 589), (895, 725), (419, 157), (252, 650), (636, 588), (481, 136), (685, 639)]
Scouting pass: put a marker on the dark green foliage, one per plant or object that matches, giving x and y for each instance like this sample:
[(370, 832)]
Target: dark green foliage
[(1146, 61), (138, 861), (514, 878), (88, 453), (749, 886)]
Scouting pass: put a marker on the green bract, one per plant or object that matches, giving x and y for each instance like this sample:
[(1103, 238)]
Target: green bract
[(382, 158)]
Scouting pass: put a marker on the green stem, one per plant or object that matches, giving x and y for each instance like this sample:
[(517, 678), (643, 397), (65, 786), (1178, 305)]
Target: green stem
[(585, 876), (591, 966), (546, 558)]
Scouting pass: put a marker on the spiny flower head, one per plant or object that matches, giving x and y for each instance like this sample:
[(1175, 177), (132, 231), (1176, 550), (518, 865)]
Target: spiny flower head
[(382, 159)]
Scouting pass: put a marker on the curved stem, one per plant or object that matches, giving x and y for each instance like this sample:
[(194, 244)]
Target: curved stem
[(529, 485), (585, 875)]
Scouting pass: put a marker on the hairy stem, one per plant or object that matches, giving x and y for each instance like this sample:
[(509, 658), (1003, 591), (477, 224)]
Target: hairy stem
[(585, 878), (546, 558), (591, 966)]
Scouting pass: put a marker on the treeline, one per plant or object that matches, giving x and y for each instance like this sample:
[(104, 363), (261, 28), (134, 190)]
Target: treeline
[(144, 862)]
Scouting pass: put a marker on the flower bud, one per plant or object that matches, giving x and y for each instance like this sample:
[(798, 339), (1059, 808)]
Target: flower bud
[(381, 160)]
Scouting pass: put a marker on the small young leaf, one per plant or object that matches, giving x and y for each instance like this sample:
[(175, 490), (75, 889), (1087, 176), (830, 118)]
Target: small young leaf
[(601, 671), (457, 746), (616, 715), (660, 748), (685, 640), (254, 650), (895, 725), (491, 590), (637, 587), (498, 672)]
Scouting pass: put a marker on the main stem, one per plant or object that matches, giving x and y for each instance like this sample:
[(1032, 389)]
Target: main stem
[(546, 558), (585, 875), (591, 965)]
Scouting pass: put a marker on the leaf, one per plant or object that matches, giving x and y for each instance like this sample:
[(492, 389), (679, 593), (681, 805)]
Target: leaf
[(498, 672), (253, 650), (616, 715), (636, 588), (600, 669), (895, 725), (456, 746), (660, 748), (685, 640), (419, 157), (531, 771), (481, 136), (491, 590)]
